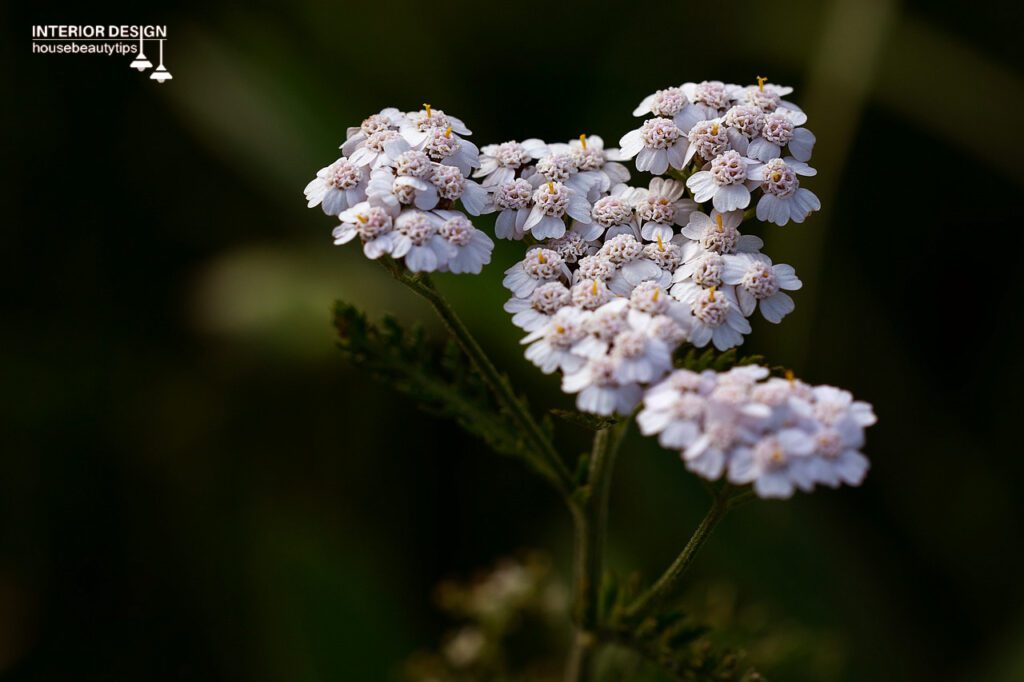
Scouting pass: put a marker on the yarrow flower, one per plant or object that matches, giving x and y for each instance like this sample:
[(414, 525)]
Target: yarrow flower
[(714, 96), (657, 144), (723, 181), (660, 207), (677, 238), (724, 277), (356, 137), (418, 126), (779, 434), (530, 314), (539, 267), (405, 189), (607, 323), (469, 249), (337, 187), (513, 200), (760, 284), (780, 131), (499, 163), (784, 199), (373, 222), (397, 189), (552, 201), (622, 280), (590, 156), (768, 98), (670, 103)]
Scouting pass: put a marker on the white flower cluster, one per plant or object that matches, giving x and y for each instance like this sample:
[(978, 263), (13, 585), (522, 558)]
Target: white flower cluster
[(536, 187), (609, 251), (737, 137), (606, 345), (779, 434), (395, 188), (617, 277)]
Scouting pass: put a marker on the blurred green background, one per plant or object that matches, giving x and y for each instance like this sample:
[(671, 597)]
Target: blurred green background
[(194, 487)]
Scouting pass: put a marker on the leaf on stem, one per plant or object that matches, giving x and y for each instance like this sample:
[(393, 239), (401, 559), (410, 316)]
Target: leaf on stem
[(698, 361), (588, 421), (437, 376), (679, 646), (669, 638)]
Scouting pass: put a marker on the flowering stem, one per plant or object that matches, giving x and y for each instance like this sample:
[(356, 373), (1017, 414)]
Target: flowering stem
[(543, 456), (669, 580), (741, 499), (590, 516)]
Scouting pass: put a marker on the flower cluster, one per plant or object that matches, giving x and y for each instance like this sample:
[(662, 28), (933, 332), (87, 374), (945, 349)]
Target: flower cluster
[(779, 434), (536, 187), (606, 345), (617, 276), (738, 138), (396, 187), (608, 251)]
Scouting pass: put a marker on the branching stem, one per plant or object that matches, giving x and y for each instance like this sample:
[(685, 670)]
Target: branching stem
[(590, 516), (664, 587), (588, 502)]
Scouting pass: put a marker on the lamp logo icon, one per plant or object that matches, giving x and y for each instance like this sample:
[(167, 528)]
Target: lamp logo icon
[(141, 63), (106, 40)]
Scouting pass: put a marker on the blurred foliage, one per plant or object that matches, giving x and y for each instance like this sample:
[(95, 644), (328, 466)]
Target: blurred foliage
[(193, 486), (510, 624)]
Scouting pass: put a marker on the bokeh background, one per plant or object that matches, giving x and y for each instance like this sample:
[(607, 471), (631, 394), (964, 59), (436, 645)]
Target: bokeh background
[(192, 484)]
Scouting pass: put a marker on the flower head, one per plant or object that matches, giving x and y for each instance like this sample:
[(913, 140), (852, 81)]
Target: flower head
[(778, 434), (657, 144), (337, 187), (397, 189), (723, 181), (783, 199), (499, 163)]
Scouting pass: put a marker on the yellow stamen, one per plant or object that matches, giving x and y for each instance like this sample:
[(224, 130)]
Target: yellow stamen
[(560, 329), (760, 83), (551, 188), (541, 258), (594, 288), (583, 140), (448, 131), (790, 377), (361, 218), (427, 107), (711, 294), (654, 296), (663, 201), (718, 219), (714, 128), (776, 176), (661, 245), (777, 456)]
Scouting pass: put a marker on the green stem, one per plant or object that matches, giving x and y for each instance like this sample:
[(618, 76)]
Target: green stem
[(545, 458), (580, 666), (741, 499), (669, 580), (590, 516)]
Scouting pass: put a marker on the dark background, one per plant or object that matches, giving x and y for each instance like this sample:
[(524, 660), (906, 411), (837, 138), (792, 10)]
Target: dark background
[(193, 486)]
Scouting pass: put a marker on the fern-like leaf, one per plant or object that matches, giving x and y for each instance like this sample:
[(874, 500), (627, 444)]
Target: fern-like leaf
[(437, 376)]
